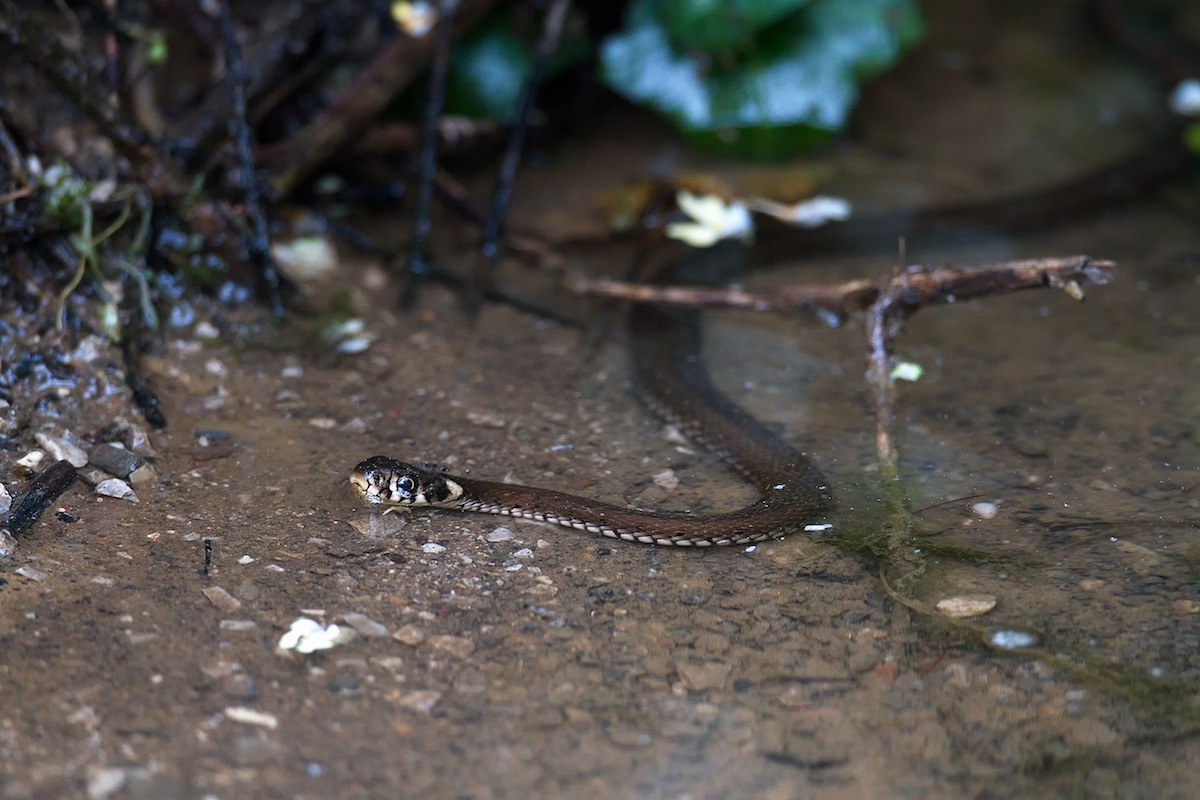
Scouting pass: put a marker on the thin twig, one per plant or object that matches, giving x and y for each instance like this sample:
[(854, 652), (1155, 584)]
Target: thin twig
[(489, 249), (257, 242), (415, 267)]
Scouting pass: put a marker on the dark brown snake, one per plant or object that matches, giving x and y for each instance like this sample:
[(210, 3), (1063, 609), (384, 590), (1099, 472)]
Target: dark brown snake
[(670, 377)]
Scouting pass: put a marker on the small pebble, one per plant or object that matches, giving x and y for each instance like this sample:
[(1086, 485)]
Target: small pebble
[(206, 437), (237, 625), (433, 547), (115, 487), (1013, 640), (114, 459), (524, 552), (984, 510), (60, 449), (667, 479), (252, 716), (5, 499), (364, 624), (966, 605), (453, 645), (205, 330), (485, 420), (31, 573), (222, 599), (32, 459), (244, 560), (143, 475), (421, 700), (501, 535), (409, 634), (104, 782)]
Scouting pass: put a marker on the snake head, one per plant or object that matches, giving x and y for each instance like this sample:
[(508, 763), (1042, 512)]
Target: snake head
[(385, 481)]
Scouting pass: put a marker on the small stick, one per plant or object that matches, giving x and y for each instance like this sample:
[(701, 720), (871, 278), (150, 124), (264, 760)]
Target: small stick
[(257, 239), (416, 266), (490, 248)]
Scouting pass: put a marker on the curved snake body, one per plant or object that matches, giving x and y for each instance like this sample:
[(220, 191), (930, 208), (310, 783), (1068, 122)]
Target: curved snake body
[(672, 380)]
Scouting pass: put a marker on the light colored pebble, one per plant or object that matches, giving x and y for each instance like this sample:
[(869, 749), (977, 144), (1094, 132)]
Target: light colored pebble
[(966, 605), (32, 459), (984, 510), (409, 634), (667, 479), (237, 625), (674, 436), (89, 350), (252, 716), (457, 646), (1013, 640), (60, 449), (115, 487), (143, 476), (524, 552), (246, 559), (433, 547), (364, 624), (205, 330), (104, 782), (485, 419), (31, 573), (421, 700), (5, 500), (102, 580), (501, 535), (222, 599)]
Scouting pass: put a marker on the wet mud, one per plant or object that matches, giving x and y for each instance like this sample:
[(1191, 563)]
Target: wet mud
[(492, 658)]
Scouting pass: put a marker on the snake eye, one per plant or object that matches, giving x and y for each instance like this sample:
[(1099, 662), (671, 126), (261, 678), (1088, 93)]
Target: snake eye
[(406, 485)]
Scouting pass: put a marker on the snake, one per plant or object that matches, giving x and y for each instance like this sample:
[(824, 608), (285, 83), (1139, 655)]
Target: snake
[(669, 374)]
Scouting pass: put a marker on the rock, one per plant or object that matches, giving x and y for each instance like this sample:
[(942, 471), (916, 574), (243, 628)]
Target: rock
[(364, 624), (966, 605), (222, 599), (115, 487), (115, 459), (60, 449)]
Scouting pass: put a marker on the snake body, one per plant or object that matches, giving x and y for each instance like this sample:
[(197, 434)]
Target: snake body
[(669, 375)]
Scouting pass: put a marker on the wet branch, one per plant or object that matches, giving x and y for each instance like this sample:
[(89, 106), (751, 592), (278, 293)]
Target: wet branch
[(887, 303)]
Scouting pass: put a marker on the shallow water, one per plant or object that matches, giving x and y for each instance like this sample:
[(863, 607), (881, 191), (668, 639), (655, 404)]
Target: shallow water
[(551, 664)]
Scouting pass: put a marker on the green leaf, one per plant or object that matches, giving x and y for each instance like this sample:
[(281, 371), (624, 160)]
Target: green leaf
[(715, 25), (487, 70), (791, 86)]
